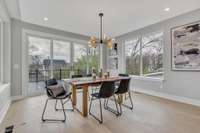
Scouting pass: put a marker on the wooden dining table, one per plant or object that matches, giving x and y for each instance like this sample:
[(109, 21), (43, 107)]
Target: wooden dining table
[(84, 83)]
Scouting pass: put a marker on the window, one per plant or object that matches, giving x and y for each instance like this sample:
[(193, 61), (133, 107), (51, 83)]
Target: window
[(54, 58), (49, 56), (39, 59), (61, 59), (80, 58), (39, 63), (85, 58), (144, 55), (132, 52), (152, 52), (93, 59)]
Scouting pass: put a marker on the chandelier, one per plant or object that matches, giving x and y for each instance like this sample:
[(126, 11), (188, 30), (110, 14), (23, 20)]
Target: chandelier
[(103, 39)]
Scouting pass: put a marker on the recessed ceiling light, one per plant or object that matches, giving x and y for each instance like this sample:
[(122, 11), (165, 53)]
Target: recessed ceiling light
[(167, 9), (46, 19)]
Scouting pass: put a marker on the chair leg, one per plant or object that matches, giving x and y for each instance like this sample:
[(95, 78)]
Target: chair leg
[(105, 103), (129, 93), (101, 115), (56, 105), (64, 103), (111, 109), (63, 110), (71, 103), (101, 121), (120, 106), (91, 100), (44, 119), (45, 106), (130, 98), (116, 105)]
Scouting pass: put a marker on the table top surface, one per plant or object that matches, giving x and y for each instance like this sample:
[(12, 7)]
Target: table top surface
[(90, 80)]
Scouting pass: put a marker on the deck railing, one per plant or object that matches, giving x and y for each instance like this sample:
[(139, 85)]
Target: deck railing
[(38, 75)]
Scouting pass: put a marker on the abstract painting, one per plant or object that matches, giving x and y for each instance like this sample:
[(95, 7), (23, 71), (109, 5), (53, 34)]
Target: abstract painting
[(186, 47)]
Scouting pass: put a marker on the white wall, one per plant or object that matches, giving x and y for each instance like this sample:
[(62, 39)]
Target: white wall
[(176, 83), (4, 100), (5, 85)]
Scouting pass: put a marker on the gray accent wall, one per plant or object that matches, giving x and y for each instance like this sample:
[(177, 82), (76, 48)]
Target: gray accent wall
[(178, 83), (16, 49)]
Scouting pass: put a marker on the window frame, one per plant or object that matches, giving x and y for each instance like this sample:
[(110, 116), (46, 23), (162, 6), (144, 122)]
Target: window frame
[(1, 49), (138, 39), (87, 54), (63, 39), (24, 51), (40, 34), (141, 75)]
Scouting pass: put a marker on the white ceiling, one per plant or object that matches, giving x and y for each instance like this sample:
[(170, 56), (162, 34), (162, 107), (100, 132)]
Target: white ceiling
[(81, 16)]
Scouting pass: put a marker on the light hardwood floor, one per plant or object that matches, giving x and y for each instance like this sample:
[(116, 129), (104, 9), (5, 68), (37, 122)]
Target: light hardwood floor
[(150, 115)]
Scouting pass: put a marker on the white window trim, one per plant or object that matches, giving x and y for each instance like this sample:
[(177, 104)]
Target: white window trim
[(1, 49), (141, 76), (144, 78)]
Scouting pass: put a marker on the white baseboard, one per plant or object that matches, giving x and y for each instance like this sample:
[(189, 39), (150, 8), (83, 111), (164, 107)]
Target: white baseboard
[(16, 98), (170, 97), (4, 110)]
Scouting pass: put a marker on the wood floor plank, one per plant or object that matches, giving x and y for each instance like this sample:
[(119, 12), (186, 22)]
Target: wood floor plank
[(150, 115)]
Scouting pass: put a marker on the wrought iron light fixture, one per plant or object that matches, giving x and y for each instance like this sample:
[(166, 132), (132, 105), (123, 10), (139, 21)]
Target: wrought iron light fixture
[(103, 39)]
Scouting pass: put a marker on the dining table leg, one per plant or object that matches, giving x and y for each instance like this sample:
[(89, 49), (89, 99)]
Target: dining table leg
[(85, 101), (74, 98)]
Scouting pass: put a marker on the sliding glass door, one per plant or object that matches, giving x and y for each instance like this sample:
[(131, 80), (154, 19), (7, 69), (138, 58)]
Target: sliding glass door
[(39, 64), (61, 59), (49, 57)]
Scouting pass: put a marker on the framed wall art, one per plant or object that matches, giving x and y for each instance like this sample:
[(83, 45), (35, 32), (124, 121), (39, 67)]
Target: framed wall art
[(185, 44)]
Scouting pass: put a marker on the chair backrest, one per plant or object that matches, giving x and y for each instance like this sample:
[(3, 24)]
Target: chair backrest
[(107, 89), (77, 76), (50, 82), (123, 75), (89, 75), (124, 86)]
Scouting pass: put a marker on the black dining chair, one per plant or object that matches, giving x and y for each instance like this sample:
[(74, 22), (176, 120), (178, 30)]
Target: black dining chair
[(55, 92), (117, 84), (107, 90), (89, 75), (123, 88), (123, 75), (77, 76)]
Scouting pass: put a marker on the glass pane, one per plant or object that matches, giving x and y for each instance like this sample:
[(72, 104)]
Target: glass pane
[(61, 59), (80, 59), (132, 53), (152, 54), (93, 59), (39, 63)]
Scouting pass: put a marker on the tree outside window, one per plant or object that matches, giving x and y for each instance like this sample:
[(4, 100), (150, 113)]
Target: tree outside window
[(152, 53), (85, 59), (144, 55), (132, 51)]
